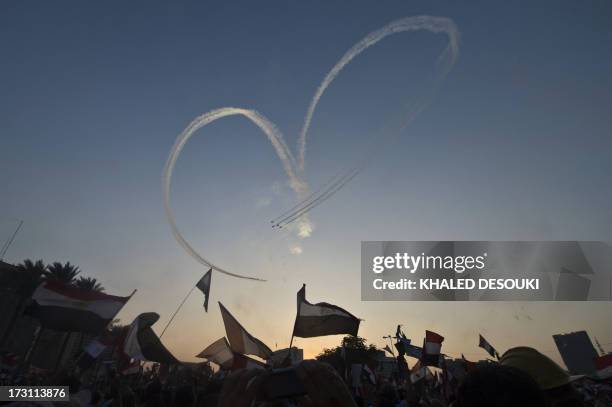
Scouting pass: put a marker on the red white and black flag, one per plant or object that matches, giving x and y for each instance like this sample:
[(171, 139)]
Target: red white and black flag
[(64, 307), (431, 349), (204, 286), (240, 340), (322, 319), (483, 343)]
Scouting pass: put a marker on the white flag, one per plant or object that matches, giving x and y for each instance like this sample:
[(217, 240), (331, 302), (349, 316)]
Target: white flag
[(218, 352), (240, 340)]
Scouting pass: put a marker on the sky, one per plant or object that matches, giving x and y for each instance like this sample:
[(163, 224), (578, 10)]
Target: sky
[(515, 146)]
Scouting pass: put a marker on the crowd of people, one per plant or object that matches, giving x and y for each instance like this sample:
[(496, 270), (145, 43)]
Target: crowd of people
[(522, 377)]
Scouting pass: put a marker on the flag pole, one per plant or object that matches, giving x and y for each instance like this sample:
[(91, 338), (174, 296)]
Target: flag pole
[(8, 244), (60, 356), (289, 358), (177, 310)]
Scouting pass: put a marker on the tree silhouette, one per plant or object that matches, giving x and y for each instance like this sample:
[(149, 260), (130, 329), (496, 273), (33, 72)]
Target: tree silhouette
[(65, 273), (34, 272), (353, 349), (89, 284)]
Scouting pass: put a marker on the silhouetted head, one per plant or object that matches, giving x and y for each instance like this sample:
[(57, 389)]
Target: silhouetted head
[(551, 378), (540, 367), (500, 386)]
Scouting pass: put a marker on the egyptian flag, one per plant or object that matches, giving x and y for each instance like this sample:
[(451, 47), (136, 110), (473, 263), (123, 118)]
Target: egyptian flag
[(431, 349), (322, 319), (141, 342), (64, 307), (218, 352), (482, 342), (240, 340), (204, 286)]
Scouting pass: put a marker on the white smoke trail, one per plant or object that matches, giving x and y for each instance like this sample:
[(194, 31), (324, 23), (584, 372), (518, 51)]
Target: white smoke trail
[(294, 169), (416, 23), (326, 192), (275, 137)]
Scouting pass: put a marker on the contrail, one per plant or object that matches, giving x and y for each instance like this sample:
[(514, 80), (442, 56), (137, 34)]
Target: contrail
[(322, 194), (416, 23), (275, 137), (295, 168), (448, 57), (313, 195)]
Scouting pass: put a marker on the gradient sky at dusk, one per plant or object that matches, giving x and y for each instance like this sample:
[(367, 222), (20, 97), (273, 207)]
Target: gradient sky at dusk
[(516, 146)]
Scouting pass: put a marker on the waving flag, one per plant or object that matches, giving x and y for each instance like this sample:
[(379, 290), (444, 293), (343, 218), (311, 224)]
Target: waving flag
[(432, 348), (402, 344), (483, 343), (240, 340), (322, 319), (64, 307), (141, 342), (204, 286), (413, 351), (218, 352)]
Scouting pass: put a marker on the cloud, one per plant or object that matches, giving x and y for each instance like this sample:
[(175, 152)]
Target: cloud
[(295, 249), (305, 227)]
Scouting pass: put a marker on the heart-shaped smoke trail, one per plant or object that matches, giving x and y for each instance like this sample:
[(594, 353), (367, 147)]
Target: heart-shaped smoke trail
[(294, 169)]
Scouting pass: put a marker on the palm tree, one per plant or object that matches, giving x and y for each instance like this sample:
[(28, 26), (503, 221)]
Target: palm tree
[(33, 272), (89, 284), (65, 273), (28, 276)]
